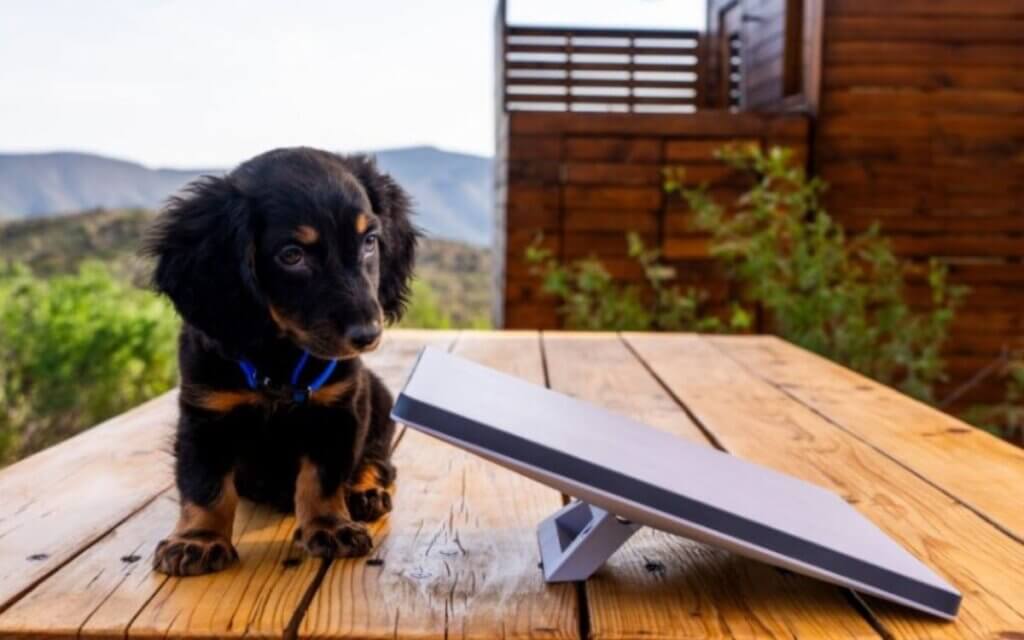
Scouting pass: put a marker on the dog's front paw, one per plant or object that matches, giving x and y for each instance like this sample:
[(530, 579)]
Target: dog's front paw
[(369, 505), (193, 553), (333, 537)]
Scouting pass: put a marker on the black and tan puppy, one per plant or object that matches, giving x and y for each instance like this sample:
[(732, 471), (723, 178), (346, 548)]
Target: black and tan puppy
[(284, 271)]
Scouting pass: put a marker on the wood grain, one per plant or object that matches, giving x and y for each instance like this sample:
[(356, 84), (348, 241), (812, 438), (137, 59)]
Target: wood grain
[(755, 420), (60, 501), (943, 450), (460, 556), (102, 589), (653, 586)]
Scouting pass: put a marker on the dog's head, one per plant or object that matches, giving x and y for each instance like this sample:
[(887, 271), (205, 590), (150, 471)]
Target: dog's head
[(296, 242)]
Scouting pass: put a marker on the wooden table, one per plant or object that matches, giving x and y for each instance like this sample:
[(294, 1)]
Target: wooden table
[(78, 522)]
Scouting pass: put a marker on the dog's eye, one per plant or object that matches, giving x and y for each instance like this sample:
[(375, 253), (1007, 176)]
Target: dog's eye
[(370, 243), (290, 256)]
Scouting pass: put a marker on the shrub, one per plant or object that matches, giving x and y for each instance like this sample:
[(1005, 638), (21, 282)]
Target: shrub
[(592, 300), (836, 295), (74, 350), (426, 311)]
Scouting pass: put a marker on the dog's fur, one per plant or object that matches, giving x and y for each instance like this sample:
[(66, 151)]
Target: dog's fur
[(296, 249)]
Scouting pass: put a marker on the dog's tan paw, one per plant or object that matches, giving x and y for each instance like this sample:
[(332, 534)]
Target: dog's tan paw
[(193, 553), (333, 537)]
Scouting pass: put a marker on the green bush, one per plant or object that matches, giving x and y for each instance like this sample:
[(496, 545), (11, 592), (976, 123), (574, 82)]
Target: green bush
[(74, 350), (592, 300), (425, 311), (839, 296)]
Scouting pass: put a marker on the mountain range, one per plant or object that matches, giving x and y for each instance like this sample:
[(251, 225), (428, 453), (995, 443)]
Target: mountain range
[(452, 191)]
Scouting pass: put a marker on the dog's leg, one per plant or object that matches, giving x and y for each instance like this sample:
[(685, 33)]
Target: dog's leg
[(325, 527), (369, 495), (201, 541), (204, 473), (371, 487)]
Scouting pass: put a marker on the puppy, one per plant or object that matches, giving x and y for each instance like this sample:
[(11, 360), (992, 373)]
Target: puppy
[(284, 272)]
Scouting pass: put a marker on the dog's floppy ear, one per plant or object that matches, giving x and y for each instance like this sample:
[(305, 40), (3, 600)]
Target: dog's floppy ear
[(398, 234), (203, 247)]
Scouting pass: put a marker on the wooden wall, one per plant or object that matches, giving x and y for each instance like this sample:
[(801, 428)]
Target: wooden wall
[(780, 46), (585, 180), (921, 126)]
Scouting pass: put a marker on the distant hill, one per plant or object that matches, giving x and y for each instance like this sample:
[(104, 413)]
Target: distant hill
[(451, 190), (458, 273)]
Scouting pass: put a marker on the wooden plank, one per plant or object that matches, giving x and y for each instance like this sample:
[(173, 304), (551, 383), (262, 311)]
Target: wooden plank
[(98, 592), (655, 583), (461, 556), (61, 500), (928, 29), (926, 53), (696, 150), (610, 198), (973, 466), (933, 76), (592, 220), (754, 419), (681, 34), (601, 66), (256, 596), (600, 82), (625, 49), (921, 101), (613, 149), (927, 8), (703, 124)]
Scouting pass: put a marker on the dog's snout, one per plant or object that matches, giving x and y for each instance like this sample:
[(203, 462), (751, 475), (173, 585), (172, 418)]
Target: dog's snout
[(361, 336)]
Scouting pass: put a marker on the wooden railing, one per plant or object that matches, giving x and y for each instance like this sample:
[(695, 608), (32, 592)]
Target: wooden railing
[(602, 70)]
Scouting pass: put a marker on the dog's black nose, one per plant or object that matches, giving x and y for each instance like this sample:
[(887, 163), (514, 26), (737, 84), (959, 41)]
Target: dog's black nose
[(361, 336)]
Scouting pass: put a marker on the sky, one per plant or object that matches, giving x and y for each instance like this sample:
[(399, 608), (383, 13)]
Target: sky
[(208, 83)]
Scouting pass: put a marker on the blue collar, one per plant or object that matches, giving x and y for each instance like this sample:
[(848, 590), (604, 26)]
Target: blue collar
[(291, 390)]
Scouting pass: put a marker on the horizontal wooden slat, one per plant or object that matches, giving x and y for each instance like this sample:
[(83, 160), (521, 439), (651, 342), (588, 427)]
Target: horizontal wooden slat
[(703, 124), (898, 73), (613, 148), (927, 8), (627, 49), (926, 53), (965, 29), (597, 99), (518, 81), (513, 30), (603, 66)]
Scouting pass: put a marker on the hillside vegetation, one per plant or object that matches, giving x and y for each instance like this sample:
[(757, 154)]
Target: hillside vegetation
[(455, 273)]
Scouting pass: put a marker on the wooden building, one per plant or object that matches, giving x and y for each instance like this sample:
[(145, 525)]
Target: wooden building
[(912, 110)]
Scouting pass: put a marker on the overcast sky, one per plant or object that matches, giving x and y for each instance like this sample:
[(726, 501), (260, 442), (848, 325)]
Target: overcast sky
[(207, 83)]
